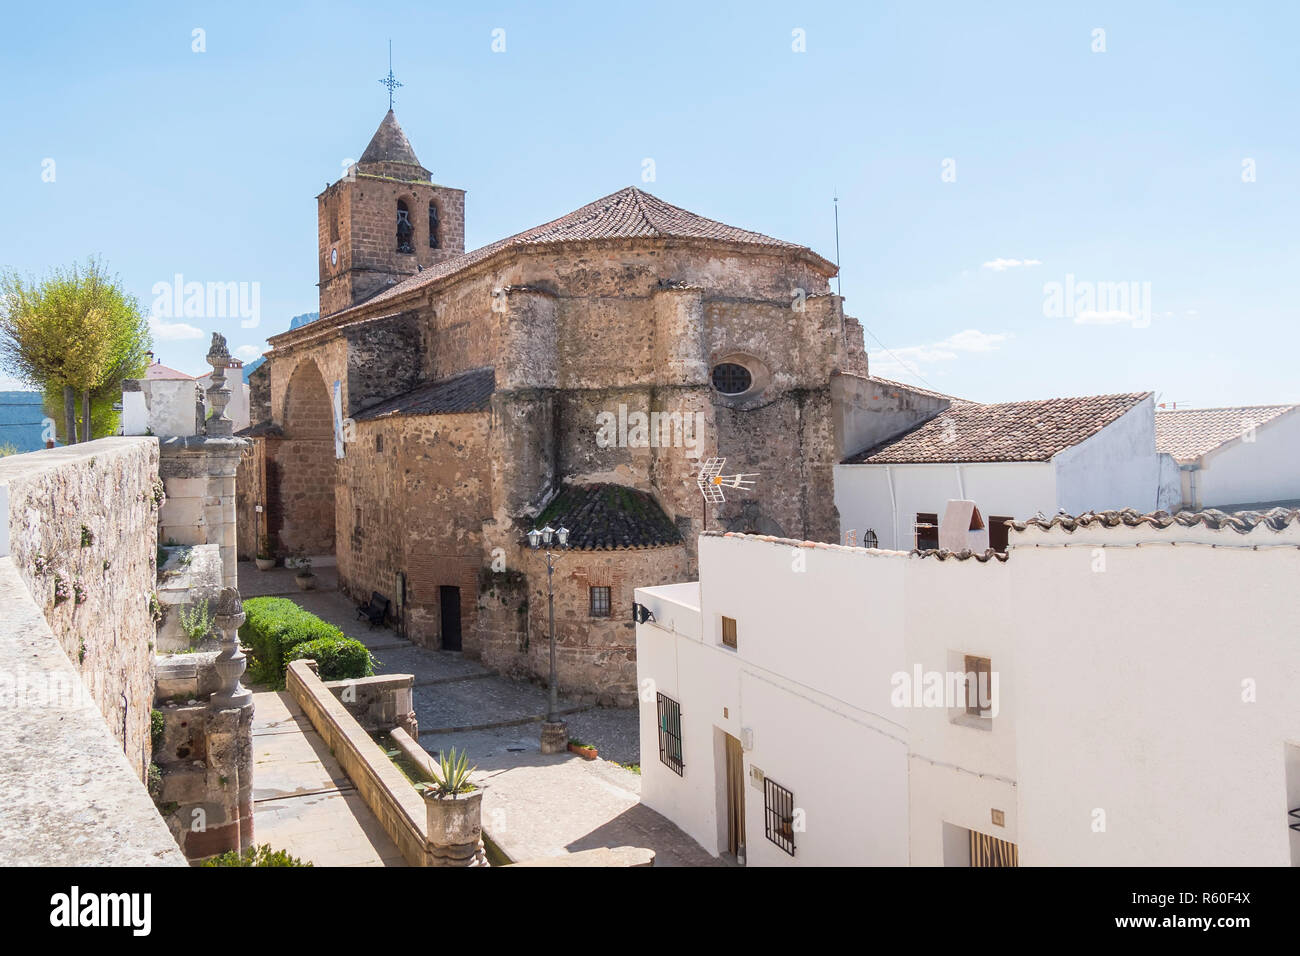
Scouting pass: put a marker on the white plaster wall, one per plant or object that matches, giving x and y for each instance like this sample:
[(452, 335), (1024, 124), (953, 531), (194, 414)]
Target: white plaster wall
[(1116, 468), (1131, 703), (808, 679), (171, 406), (1016, 489), (1170, 496), (1267, 469), (960, 769)]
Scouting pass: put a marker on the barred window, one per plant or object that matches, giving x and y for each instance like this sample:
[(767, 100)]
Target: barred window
[(670, 733), (600, 602), (731, 379), (778, 815)]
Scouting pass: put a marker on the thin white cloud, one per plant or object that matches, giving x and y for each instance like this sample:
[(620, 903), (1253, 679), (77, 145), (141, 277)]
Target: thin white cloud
[(249, 353), (173, 331), (914, 359), (1002, 265)]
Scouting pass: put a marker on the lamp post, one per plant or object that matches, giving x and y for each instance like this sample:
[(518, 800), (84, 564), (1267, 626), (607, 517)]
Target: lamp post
[(555, 736)]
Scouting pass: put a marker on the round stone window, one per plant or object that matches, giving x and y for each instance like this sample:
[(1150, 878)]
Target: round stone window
[(732, 379)]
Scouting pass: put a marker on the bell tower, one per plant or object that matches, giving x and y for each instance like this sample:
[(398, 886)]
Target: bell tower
[(383, 221)]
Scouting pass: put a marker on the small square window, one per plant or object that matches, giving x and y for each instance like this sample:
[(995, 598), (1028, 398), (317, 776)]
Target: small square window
[(600, 602), (927, 531), (379, 443), (729, 632)]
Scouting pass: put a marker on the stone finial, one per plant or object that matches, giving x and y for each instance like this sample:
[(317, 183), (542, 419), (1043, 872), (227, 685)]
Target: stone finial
[(230, 662), (219, 425)]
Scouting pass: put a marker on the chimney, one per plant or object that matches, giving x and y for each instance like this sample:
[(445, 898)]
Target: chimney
[(962, 527)]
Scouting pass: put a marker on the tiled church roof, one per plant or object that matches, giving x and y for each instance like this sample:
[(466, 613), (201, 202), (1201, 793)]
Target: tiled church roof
[(389, 144), (608, 517), (466, 392), (1189, 433), (627, 214), (1009, 431)]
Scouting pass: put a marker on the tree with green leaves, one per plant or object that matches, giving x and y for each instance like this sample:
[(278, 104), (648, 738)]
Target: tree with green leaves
[(75, 332)]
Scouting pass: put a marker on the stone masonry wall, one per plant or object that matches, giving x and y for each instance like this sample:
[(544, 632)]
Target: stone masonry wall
[(85, 518)]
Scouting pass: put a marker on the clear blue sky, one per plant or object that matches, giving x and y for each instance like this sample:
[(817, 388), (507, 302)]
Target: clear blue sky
[(1116, 166)]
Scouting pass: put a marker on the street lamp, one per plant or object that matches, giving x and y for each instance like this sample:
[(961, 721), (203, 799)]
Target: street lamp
[(554, 734)]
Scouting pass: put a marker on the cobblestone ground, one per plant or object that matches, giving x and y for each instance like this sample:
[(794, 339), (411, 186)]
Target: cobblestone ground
[(534, 805)]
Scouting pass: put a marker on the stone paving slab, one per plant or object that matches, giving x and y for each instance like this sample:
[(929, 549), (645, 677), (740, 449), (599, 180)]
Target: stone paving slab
[(538, 805), (427, 666), (303, 801), (480, 703), (279, 581)]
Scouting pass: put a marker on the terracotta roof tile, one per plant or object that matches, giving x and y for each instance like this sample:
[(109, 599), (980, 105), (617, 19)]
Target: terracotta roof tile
[(1007, 431), (466, 392), (609, 517), (1189, 433), (1278, 519), (629, 213)]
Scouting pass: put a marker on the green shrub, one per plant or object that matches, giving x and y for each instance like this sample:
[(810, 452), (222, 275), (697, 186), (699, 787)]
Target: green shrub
[(276, 631), (156, 726), (273, 627), (339, 658), (261, 855)]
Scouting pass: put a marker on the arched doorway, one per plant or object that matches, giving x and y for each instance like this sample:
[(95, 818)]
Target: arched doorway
[(306, 469)]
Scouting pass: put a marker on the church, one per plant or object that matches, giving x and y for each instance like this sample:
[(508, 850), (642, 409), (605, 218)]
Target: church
[(447, 402)]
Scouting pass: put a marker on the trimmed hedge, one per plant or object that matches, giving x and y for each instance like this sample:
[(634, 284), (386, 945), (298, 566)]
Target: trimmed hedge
[(336, 659), (275, 627)]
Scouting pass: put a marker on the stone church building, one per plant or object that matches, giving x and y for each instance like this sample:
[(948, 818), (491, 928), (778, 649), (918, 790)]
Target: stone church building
[(447, 402)]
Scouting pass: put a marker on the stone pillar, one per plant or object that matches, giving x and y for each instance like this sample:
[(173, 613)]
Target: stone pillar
[(455, 829), (230, 726), (555, 737)]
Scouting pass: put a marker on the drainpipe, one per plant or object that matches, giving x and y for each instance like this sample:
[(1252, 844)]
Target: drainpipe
[(893, 503)]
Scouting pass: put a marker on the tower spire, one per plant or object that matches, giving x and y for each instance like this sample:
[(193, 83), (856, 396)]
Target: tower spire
[(390, 81)]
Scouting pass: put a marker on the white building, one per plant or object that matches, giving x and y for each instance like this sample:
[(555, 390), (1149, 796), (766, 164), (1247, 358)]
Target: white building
[(1234, 459), (1141, 703), (919, 449)]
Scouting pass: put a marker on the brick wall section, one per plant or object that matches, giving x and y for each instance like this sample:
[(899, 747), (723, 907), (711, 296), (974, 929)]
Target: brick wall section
[(414, 494), (595, 657), (108, 486), (306, 468)]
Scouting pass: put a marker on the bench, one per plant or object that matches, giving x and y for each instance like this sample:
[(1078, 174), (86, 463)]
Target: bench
[(374, 612)]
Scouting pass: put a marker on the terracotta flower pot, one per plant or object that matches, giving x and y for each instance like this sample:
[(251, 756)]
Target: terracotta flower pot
[(264, 564), (586, 753), (305, 582)]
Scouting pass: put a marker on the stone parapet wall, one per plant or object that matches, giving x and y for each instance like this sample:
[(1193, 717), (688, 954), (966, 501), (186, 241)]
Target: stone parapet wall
[(82, 521), (70, 796)]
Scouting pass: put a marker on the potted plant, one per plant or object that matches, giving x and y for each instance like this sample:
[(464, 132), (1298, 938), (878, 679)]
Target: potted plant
[(455, 811), (304, 577), (585, 751)]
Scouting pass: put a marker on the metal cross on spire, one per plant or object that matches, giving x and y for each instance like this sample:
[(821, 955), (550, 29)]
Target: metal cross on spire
[(390, 81)]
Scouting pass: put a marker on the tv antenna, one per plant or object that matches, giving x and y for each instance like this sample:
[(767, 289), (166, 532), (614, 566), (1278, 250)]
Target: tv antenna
[(711, 481)]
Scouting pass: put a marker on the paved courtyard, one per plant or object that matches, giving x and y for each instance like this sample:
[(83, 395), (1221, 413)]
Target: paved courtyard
[(534, 805)]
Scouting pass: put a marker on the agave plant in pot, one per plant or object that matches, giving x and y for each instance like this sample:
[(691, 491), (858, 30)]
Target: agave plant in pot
[(455, 813)]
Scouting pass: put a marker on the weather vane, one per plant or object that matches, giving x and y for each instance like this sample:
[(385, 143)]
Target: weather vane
[(711, 481), (390, 81)]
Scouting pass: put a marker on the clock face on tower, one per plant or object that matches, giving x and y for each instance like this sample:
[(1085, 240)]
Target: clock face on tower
[(334, 257)]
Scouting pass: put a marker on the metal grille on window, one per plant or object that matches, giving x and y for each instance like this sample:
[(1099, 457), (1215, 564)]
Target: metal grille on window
[(989, 851), (600, 602), (731, 379), (670, 733), (869, 539), (778, 815)]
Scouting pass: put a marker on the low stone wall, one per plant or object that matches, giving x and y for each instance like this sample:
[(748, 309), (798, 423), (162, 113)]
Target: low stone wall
[(199, 477), (68, 795), (382, 786), (81, 525), (379, 703)]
